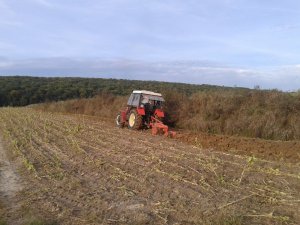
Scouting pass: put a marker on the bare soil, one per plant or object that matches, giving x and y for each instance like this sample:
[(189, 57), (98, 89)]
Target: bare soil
[(282, 151), (80, 170), (10, 183)]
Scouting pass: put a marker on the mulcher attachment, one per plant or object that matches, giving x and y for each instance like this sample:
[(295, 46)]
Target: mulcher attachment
[(158, 127)]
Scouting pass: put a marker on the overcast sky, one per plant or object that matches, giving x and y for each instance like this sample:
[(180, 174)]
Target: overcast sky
[(223, 42)]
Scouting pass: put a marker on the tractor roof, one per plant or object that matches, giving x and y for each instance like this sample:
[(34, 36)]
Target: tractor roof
[(146, 92)]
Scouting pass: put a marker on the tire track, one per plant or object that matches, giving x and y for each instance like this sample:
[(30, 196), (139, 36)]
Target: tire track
[(10, 184)]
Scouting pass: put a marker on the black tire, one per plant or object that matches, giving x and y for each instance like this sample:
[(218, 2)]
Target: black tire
[(134, 120), (119, 122)]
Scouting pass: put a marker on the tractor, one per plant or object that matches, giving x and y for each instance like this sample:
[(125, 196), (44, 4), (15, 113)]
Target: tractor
[(144, 110)]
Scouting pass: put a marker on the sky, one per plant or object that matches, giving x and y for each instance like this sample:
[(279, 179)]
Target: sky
[(221, 42)]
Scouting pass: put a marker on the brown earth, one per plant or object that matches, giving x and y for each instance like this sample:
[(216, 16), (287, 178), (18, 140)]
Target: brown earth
[(284, 151), (78, 170), (10, 183), (275, 150)]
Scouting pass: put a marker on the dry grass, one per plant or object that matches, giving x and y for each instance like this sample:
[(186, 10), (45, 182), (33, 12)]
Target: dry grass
[(261, 114), (102, 105), (269, 115)]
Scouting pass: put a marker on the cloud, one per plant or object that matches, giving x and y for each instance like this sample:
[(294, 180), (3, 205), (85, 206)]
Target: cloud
[(8, 16), (197, 72), (10, 23), (286, 27), (43, 3), (6, 46), (6, 9)]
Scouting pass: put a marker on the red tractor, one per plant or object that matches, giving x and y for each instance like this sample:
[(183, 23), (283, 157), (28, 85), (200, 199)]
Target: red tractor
[(144, 110)]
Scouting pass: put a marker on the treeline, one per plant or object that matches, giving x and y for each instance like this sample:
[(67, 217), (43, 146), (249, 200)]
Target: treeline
[(21, 91)]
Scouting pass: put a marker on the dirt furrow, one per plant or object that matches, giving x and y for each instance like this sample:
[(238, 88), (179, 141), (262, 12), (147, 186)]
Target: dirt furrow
[(10, 185)]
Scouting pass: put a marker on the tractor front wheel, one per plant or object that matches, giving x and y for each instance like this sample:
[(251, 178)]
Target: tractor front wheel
[(135, 120)]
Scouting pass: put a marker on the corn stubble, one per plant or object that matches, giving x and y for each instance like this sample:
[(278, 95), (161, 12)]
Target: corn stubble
[(80, 170)]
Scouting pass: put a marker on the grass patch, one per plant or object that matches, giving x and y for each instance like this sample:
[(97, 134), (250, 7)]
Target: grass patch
[(3, 222)]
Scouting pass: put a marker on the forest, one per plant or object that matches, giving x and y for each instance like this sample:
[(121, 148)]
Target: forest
[(21, 91)]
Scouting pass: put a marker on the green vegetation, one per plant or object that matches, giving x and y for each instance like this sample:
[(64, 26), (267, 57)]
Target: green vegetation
[(21, 91), (2, 222)]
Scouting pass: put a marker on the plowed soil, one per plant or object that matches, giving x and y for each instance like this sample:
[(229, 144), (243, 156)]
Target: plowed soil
[(281, 151), (77, 170)]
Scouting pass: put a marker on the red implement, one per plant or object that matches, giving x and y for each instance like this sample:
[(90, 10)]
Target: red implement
[(158, 127)]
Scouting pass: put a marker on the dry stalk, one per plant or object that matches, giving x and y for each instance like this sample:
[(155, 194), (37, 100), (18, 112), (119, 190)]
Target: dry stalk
[(270, 216), (236, 201), (250, 162)]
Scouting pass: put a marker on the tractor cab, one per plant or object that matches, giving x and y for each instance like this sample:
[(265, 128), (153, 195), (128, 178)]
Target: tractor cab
[(144, 98)]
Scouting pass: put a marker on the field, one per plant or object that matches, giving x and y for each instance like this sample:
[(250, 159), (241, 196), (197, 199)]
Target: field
[(75, 169)]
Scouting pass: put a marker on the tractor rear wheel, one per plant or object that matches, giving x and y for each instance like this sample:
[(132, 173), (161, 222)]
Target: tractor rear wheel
[(119, 122), (134, 120)]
